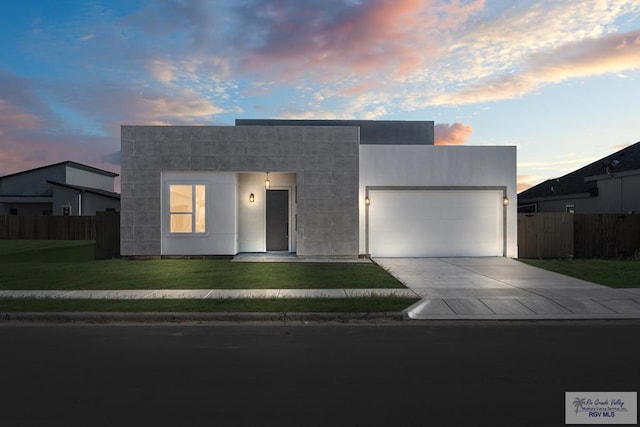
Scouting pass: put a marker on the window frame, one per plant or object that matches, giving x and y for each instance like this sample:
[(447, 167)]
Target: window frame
[(194, 208)]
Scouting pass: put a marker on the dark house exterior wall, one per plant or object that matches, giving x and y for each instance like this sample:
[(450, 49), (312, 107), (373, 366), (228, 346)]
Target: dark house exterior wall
[(611, 194), (42, 191), (33, 183), (81, 203), (374, 132)]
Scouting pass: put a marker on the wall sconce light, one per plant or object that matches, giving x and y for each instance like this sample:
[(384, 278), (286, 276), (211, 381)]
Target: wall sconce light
[(267, 183), (505, 201), (252, 198), (367, 201)]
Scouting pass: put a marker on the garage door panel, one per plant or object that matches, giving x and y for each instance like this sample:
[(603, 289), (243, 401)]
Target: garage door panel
[(435, 223)]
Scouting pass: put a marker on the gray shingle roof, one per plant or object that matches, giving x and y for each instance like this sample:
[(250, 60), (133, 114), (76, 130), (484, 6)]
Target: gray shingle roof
[(87, 189), (574, 183), (68, 163)]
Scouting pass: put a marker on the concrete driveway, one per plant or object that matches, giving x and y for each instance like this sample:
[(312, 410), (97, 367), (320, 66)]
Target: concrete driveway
[(504, 288)]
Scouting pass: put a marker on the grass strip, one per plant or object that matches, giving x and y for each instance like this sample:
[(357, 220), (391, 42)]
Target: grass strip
[(615, 273), (265, 305), (65, 265)]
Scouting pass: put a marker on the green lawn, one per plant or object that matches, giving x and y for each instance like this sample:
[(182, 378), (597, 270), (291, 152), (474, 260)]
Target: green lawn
[(67, 265), (609, 272)]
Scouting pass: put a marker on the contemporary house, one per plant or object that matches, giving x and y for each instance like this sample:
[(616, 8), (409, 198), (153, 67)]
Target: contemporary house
[(609, 185), (66, 188), (339, 188)]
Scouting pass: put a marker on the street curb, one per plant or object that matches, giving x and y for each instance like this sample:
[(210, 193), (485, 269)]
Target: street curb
[(157, 317)]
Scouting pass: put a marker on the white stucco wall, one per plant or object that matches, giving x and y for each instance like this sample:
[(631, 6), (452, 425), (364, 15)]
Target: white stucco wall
[(251, 216), (221, 225), (85, 178), (440, 166), (233, 223)]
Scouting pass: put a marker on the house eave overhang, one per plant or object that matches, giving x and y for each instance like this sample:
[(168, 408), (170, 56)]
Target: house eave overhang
[(522, 201), (87, 190), (67, 163), (612, 175), (91, 169)]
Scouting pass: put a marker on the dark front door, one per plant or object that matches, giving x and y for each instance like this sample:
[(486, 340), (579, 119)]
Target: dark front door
[(277, 220)]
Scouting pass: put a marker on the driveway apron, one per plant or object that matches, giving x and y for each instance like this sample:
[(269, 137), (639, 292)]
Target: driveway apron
[(504, 288)]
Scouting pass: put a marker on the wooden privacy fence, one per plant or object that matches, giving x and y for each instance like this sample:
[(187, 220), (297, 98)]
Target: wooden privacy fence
[(104, 228), (545, 235), (561, 235), (47, 228)]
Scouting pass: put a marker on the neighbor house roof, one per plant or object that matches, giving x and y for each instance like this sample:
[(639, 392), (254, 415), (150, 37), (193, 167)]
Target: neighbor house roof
[(70, 164), (87, 189), (574, 183)]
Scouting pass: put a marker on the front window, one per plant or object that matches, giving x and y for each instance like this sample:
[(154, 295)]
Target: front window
[(187, 208)]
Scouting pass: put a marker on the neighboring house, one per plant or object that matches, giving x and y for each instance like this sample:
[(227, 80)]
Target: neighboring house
[(314, 188), (66, 188), (609, 185)]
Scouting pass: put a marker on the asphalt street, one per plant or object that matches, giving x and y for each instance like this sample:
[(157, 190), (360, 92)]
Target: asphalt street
[(433, 373)]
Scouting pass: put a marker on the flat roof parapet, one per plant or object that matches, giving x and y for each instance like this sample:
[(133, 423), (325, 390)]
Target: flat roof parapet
[(381, 132)]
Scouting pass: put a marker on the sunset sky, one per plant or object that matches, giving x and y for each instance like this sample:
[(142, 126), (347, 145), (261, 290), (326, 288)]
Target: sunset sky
[(559, 79)]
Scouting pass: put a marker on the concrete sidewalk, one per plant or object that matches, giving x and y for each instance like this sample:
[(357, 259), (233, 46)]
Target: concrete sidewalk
[(503, 288), (450, 288)]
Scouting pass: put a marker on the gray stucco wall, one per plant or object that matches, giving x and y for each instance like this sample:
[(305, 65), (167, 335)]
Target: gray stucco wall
[(325, 160)]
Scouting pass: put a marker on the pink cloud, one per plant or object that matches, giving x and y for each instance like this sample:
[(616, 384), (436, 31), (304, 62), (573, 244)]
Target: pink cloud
[(452, 134), (186, 105), (358, 88), (14, 117), (618, 147), (366, 39), (527, 181), (34, 149), (522, 186), (32, 135), (609, 54), (590, 57)]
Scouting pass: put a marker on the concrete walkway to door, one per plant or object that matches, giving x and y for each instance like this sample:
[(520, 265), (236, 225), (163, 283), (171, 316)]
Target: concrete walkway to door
[(503, 288)]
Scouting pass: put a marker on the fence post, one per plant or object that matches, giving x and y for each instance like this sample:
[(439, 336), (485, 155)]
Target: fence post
[(107, 226)]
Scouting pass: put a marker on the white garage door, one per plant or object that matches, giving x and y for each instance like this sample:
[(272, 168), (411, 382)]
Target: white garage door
[(435, 223)]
